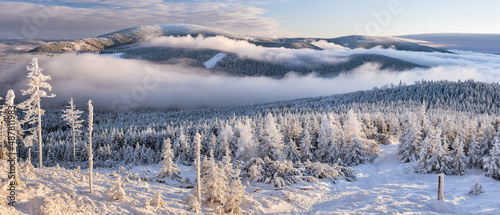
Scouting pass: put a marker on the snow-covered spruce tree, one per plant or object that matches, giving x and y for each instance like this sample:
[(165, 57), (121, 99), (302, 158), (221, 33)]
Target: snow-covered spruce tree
[(91, 153), (434, 157), (459, 162), (355, 147), (325, 138), (214, 182), (182, 147), (334, 147), (224, 141), (32, 109), (306, 146), (487, 132), (72, 117), (291, 152), (492, 162), (476, 189), (235, 195), (410, 139), (169, 167), (423, 121), (272, 140), (247, 146), (473, 153)]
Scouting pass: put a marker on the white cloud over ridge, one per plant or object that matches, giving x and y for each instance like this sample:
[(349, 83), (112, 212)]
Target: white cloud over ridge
[(123, 84)]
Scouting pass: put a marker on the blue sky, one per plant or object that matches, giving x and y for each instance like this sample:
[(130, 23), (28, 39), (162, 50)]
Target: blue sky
[(56, 19), (325, 18)]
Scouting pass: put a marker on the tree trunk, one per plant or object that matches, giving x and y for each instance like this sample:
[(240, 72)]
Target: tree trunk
[(441, 187), (40, 165), (29, 155), (74, 153), (91, 154)]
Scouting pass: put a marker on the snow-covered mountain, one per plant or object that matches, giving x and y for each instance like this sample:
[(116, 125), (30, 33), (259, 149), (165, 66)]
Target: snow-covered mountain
[(368, 42), (485, 43), (137, 34), (353, 51)]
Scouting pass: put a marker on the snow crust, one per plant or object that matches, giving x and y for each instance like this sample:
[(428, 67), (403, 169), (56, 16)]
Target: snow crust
[(213, 61)]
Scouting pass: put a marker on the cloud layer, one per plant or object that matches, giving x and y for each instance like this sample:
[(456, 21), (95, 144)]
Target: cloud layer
[(122, 84)]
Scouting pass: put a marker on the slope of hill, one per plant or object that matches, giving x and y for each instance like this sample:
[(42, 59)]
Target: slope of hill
[(367, 42), (137, 34), (485, 43)]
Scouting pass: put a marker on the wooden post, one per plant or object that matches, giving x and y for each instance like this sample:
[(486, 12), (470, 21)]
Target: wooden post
[(441, 187)]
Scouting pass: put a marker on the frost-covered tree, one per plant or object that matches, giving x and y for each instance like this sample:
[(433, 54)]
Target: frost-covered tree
[(354, 145), (72, 117), (459, 162), (325, 138), (32, 109), (214, 182), (473, 153), (487, 132), (492, 162), (182, 147), (410, 139), (91, 153), (476, 189), (235, 195), (247, 146), (306, 146), (434, 157), (224, 139), (291, 152), (169, 167), (272, 140)]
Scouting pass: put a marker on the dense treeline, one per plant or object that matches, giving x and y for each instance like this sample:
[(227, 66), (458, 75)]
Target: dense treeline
[(248, 67), (324, 130)]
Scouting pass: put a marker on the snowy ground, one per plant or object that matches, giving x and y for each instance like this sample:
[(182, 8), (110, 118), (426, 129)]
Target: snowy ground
[(385, 186), (213, 61), (115, 55)]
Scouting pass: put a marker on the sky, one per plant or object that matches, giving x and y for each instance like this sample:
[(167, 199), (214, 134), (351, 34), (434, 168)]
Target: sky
[(72, 19)]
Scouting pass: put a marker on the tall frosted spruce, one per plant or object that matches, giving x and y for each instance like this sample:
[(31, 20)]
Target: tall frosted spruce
[(72, 117), (33, 111), (91, 155)]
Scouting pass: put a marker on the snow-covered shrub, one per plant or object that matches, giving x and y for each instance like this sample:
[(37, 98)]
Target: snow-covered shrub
[(155, 201), (116, 192), (476, 189), (193, 203), (281, 174)]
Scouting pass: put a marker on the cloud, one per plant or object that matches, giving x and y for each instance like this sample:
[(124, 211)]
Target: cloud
[(89, 18), (123, 84), (245, 49)]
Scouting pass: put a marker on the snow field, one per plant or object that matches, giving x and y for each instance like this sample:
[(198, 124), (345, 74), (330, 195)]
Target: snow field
[(384, 186)]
